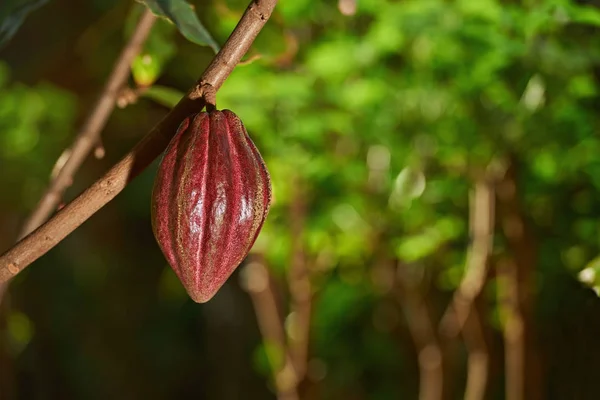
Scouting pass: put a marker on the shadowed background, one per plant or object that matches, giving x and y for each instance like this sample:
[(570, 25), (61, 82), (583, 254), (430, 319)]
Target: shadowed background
[(376, 124)]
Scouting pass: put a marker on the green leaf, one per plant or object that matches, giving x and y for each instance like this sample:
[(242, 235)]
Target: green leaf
[(20, 331), (158, 49), (145, 69), (585, 15), (166, 96), (12, 15), (268, 357), (183, 16), (413, 248), (410, 184)]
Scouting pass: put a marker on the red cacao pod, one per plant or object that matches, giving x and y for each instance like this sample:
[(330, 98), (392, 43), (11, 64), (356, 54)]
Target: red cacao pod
[(211, 196)]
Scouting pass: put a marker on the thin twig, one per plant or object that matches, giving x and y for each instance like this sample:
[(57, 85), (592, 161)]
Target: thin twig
[(150, 147), (259, 286), (462, 314), (88, 137), (482, 225)]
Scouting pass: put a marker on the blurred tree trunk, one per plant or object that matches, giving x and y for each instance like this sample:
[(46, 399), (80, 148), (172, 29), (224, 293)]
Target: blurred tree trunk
[(423, 332), (516, 278), (464, 314), (299, 286)]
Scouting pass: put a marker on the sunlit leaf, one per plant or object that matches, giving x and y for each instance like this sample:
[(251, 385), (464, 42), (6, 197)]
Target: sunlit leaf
[(159, 48), (534, 94), (410, 184), (589, 15), (145, 69)]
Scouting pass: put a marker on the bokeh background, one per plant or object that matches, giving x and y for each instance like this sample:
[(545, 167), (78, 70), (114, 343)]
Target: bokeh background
[(395, 133)]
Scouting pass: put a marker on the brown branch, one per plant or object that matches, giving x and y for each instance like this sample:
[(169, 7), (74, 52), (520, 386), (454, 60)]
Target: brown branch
[(150, 147), (462, 314), (259, 286), (88, 137), (423, 333), (299, 284)]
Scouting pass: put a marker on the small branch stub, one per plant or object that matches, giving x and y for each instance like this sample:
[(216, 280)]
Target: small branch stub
[(210, 97)]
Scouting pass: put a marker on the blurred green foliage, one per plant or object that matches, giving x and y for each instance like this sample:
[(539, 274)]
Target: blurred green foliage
[(378, 123)]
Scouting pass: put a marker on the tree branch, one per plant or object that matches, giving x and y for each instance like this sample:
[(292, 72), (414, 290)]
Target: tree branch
[(151, 146), (421, 327), (482, 225), (516, 294), (88, 137), (462, 314)]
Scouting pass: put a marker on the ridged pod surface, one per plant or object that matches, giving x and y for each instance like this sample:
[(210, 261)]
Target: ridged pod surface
[(211, 196)]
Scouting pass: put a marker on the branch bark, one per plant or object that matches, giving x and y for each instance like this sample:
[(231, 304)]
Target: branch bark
[(462, 314), (150, 147)]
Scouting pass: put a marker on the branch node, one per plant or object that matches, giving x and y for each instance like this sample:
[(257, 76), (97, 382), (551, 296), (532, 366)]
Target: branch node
[(13, 268), (207, 92)]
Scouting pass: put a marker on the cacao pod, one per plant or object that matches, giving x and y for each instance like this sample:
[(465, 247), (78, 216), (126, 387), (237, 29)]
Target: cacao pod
[(211, 196)]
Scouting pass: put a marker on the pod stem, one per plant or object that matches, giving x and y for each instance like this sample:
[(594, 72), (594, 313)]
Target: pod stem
[(207, 93)]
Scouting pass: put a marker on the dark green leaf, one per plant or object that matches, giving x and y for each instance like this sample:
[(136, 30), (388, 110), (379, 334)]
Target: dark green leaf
[(183, 16)]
